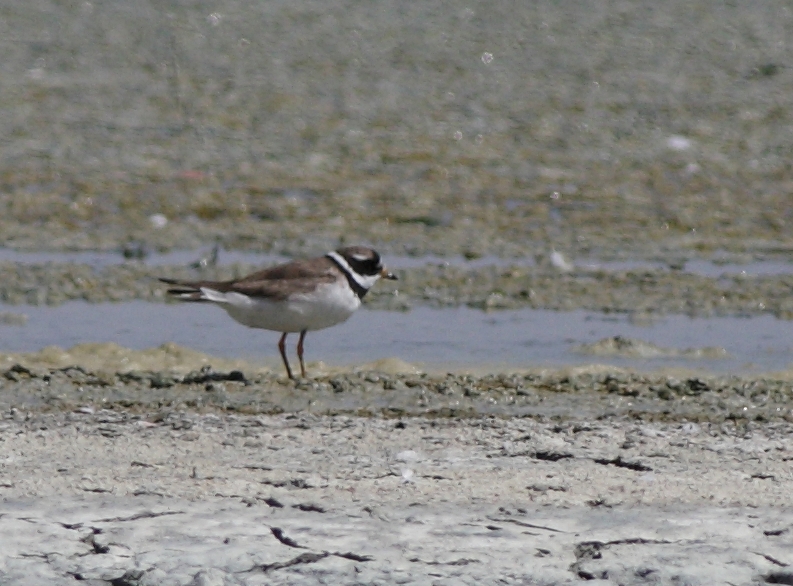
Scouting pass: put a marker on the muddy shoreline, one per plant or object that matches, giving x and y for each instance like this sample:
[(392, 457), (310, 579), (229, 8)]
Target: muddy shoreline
[(572, 394), (644, 292)]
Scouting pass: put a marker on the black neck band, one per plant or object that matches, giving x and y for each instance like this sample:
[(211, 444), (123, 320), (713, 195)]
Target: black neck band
[(354, 285)]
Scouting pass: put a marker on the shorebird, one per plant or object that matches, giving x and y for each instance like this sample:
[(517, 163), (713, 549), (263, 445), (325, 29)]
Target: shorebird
[(298, 296)]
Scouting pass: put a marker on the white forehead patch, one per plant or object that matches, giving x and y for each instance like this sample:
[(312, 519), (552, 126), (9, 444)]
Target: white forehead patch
[(361, 257)]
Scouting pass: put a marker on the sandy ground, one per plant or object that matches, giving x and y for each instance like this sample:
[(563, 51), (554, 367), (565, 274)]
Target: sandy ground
[(300, 499)]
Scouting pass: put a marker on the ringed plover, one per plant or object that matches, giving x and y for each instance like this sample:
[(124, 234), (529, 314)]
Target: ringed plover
[(298, 296)]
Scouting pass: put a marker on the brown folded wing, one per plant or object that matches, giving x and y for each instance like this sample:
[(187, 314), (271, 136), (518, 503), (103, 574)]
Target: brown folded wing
[(275, 283)]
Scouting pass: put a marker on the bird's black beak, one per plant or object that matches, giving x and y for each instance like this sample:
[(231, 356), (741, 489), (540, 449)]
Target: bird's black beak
[(388, 275)]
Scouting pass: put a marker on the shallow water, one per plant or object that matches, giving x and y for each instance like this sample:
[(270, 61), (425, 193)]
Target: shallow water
[(435, 339)]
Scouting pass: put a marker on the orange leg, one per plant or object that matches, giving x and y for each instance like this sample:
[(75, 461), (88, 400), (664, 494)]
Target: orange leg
[(300, 353), (282, 348)]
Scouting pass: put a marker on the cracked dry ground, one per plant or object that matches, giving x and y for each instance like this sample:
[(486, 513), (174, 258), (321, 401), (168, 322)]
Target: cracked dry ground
[(172, 497)]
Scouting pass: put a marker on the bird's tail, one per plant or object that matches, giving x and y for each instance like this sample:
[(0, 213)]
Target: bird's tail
[(184, 290)]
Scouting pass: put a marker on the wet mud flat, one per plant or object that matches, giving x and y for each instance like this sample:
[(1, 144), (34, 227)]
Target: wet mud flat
[(443, 129), (644, 292)]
